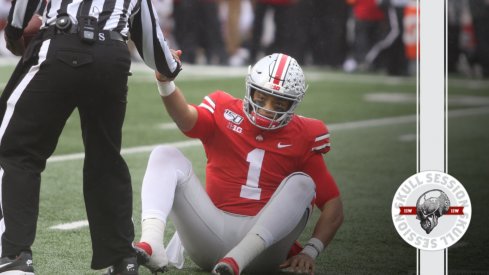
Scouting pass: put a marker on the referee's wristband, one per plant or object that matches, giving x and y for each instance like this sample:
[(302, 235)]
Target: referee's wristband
[(313, 247), (166, 88)]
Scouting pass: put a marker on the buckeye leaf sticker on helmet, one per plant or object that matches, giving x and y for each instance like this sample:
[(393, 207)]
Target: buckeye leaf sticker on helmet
[(278, 75)]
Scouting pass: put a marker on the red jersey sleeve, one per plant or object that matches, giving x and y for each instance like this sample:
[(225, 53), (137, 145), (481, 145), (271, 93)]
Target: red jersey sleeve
[(205, 125), (319, 137), (326, 188), (315, 166)]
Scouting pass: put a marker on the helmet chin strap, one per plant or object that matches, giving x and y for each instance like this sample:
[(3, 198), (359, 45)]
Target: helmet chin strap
[(265, 122)]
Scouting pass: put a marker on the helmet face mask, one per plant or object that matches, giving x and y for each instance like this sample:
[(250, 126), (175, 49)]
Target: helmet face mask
[(268, 118), (277, 75)]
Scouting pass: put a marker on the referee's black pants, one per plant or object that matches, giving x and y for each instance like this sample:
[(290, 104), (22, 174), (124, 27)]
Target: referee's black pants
[(62, 74)]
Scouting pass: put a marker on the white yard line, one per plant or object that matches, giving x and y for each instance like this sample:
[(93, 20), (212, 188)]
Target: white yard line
[(71, 225)]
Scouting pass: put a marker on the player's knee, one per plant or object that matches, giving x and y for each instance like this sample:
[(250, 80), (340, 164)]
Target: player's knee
[(301, 181), (171, 157), (165, 153)]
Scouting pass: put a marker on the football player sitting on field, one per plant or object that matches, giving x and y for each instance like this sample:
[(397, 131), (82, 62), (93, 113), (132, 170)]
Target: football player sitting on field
[(264, 172)]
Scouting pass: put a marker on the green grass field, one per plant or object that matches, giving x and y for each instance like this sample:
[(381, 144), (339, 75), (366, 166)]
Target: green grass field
[(373, 129)]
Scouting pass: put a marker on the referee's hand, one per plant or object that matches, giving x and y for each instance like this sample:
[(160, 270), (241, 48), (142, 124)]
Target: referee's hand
[(15, 46), (176, 54)]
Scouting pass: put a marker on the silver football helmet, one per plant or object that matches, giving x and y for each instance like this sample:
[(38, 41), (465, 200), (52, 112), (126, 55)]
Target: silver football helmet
[(278, 75)]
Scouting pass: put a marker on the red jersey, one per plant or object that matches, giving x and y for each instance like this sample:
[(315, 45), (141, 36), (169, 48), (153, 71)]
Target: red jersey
[(368, 10), (245, 164)]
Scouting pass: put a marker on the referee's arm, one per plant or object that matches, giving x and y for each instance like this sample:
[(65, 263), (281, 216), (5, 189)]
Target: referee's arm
[(150, 41), (19, 16)]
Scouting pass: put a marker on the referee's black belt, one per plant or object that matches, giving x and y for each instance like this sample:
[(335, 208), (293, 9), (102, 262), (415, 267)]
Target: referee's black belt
[(101, 36)]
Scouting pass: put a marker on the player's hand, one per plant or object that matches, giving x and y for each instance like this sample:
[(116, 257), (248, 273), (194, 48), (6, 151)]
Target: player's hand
[(15, 46), (176, 54), (300, 263)]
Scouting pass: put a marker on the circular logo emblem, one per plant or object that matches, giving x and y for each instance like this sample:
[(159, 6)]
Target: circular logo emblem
[(431, 210)]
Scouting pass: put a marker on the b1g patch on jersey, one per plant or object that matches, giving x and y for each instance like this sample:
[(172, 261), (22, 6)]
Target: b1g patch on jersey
[(235, 128), (233, 117)]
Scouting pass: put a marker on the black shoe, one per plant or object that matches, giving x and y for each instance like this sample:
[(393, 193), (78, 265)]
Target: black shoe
[(127, 266), (144, 254), (21, 264), (226, 266)]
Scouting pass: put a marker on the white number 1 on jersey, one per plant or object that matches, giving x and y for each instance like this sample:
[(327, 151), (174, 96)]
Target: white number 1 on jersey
[(251, 190)]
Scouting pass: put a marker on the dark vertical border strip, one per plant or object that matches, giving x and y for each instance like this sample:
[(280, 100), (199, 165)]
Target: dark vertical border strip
[(445, 103), (418, 38), (446, 261), (418, 258), (445, 87)]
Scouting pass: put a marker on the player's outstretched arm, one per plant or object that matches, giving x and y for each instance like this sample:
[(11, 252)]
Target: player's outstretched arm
[(183, 114), (328, 223)]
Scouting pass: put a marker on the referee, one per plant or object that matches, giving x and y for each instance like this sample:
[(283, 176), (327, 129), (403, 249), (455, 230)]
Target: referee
[(80, 60)]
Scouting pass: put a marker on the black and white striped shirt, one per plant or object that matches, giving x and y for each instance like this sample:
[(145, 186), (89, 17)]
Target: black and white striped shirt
[(135, 17)]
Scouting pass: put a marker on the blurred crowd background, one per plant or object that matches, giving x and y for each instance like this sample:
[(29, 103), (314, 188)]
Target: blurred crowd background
[(350, 35)]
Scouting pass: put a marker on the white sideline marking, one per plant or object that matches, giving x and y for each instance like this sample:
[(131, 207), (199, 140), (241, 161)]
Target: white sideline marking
[(128, 151), (335, 127), (390, 97), (394, 97), (402, 119), (408, 137), (168, 126), (191, 72), (70, 226), (373, 122)]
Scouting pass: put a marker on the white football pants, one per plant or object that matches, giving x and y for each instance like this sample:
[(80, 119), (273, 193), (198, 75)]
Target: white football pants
[(207, 233)]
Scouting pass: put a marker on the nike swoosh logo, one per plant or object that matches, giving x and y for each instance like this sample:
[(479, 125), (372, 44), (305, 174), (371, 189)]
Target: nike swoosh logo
[(6, 264), (280, 145)]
